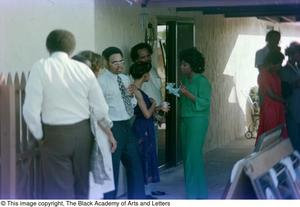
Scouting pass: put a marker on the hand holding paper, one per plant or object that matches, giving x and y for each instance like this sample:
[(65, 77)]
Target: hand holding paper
[(172, 89)]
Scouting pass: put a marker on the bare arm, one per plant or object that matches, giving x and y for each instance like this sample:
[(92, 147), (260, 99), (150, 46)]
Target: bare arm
[(110, 136), (141, 103), (106, 129)]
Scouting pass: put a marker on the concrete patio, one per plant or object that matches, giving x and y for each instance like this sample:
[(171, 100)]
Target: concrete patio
[(219, 163)]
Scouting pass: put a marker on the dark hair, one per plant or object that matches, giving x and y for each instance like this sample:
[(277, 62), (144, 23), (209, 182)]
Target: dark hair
[(274, 57), (94, 58), (134, 50), (60, 41), (271, 34), (137, 70), (82, 59), (292, 49), (110, 51), (193, 57)]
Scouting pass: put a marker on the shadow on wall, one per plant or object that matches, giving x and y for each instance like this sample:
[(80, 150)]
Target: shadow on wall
[(227, 117), (232, 81), (235, 77), (240, 66)]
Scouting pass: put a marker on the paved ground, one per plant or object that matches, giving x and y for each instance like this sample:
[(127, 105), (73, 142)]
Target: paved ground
[(219, 163)]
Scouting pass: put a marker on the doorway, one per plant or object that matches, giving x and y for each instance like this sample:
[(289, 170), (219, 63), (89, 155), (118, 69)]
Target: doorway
[(172, 37)]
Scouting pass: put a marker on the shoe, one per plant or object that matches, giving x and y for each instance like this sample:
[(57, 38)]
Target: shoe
[(150, 197), (158, 193)]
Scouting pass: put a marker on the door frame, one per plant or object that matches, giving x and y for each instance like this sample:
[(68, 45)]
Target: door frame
[(172, 149)]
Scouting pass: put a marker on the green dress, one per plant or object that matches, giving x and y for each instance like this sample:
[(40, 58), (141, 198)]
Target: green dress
[(194, 124)]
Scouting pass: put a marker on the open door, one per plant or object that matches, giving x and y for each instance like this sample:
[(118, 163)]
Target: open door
[(179, 36)]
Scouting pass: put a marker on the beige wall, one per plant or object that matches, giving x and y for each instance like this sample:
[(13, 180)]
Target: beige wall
[(229, 45), (117, 24), (121, 25), (217, 37), (25, 25)]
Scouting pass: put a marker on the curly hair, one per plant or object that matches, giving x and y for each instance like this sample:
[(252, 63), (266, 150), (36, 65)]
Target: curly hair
[(193, 57), (137, 70)]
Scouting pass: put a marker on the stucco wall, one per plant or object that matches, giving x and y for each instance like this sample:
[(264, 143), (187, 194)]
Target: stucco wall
[(122, 25), (216, 37), (229, 45), (25, 25), (117, 24)]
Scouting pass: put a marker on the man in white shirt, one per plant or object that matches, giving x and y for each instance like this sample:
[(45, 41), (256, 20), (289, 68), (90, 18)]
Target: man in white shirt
[(142, 52), (272, 39), (118, 93), (59, 95)]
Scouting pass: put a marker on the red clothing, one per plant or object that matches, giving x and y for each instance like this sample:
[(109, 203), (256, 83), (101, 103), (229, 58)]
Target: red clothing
[(272, 112)]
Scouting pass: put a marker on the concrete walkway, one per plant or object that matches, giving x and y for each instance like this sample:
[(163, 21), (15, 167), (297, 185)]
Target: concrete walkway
[(219, 163)]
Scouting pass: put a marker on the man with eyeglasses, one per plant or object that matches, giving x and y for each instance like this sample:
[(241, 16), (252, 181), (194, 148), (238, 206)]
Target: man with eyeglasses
[(118, 93)]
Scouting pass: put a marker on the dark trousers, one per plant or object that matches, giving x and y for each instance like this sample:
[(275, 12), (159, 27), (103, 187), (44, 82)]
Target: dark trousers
[(127, 152), (294, 132), (65, 157)]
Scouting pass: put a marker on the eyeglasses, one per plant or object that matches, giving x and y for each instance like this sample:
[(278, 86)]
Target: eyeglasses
[(117, 63)]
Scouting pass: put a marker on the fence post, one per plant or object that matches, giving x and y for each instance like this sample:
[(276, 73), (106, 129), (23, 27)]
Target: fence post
[(8, 139)]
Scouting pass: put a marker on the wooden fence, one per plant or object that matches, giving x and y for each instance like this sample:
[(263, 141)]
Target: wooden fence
[(19, 155)]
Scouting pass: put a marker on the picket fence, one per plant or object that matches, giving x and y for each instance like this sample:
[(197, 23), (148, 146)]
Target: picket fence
[(20, 175)]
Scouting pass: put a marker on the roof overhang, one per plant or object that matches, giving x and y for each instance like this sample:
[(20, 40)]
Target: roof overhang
[(271, 10)]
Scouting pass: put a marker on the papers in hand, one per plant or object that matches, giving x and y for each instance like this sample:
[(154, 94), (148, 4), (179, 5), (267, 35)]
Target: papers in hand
[(172, 89)]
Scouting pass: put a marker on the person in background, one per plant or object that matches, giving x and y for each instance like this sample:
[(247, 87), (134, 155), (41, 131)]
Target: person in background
[(94, 58), (194, 118), (272, 113), (142, 52), (82, 59), (290, 77), (118, 93), (59, 94), (101, 176), (272, 39)]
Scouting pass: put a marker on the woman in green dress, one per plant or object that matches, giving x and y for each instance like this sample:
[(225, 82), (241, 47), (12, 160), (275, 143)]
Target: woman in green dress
[(194, 111)]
